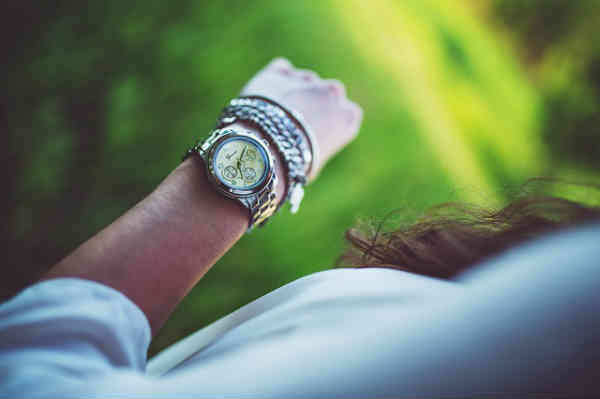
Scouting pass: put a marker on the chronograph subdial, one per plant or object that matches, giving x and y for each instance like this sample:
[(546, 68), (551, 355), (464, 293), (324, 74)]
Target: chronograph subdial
[(249, 174), (250, 155), (230, 172)]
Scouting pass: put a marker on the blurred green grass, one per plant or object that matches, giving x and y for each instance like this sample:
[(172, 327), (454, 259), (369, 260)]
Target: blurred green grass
[(440, 126), (113, 94)]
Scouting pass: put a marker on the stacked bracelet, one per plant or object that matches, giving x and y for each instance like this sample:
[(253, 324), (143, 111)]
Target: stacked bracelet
[(299, 121), (289, 133)]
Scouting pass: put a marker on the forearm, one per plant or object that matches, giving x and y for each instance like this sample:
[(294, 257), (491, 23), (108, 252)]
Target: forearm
[(158, 250)]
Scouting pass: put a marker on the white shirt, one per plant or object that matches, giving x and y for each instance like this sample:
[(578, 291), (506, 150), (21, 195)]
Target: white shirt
[(525, 322)]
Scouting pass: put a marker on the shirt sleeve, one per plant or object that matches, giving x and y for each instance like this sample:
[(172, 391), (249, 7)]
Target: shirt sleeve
[(523, 324), (61, 332)]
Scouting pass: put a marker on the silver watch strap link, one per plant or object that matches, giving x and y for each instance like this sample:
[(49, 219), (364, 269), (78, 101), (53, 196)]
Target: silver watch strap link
[(261, 205)]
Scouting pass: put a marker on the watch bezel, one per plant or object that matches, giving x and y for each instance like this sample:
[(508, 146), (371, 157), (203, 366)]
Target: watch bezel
[(231, 192)]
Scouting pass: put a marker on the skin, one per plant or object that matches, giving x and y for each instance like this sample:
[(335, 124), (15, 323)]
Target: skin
[(158, 250)]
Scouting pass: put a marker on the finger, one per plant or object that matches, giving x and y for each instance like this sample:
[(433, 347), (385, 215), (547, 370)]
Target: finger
[(281, 65), (358, 112), (335, 87), (354, 114), (307, 75), (280, 62)]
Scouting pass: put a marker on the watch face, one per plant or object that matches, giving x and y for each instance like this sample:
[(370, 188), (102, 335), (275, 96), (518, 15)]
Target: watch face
[(240, 163)]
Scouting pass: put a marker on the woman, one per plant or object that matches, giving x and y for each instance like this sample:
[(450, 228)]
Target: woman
[(523, 322)]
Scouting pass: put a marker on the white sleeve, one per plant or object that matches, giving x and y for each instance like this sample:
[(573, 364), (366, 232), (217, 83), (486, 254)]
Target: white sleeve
[(61, 332), (525, 323)]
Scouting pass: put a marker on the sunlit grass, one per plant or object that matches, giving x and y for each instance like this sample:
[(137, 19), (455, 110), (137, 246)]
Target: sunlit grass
[(470, 99)]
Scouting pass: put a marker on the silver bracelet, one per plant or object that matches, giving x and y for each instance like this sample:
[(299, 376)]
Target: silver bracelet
[(287, 131), (300, 121)]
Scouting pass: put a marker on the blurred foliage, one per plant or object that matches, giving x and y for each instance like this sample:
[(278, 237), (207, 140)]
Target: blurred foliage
[(559, 41), (101, 98)]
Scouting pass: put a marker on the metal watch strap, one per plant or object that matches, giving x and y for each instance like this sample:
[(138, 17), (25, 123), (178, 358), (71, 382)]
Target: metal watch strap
[(260, 205)]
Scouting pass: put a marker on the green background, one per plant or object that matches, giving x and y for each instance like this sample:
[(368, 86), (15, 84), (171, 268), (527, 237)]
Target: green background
[(463, 100)]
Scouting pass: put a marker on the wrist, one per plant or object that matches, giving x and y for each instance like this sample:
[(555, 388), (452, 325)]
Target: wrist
[(157, 251), (193, 172)]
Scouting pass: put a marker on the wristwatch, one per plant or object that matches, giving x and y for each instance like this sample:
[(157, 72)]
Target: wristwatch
[(240, 166), (291, 136)]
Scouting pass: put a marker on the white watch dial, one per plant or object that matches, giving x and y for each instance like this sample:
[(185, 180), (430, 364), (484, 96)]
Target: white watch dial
[(240, 163)]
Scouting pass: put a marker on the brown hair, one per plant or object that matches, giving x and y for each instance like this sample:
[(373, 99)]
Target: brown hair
[(452, 237)]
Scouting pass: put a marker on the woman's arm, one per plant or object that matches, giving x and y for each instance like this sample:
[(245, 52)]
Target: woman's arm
[(158, 250)]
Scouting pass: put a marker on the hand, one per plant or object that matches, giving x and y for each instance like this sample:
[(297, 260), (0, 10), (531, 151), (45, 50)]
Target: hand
[(334, 119), (242, 154), (239, 168), (239, 163)]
